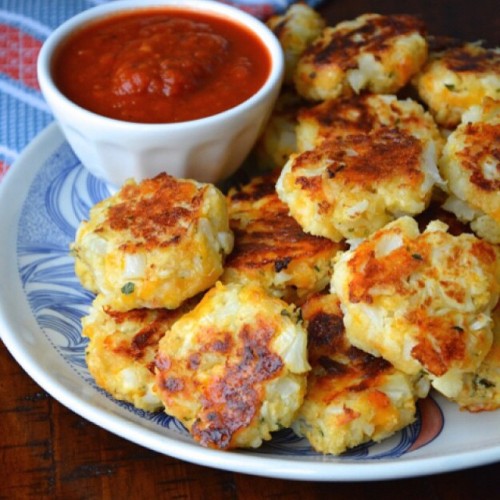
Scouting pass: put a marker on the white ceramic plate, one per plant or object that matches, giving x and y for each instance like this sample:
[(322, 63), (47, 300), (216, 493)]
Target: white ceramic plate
[(43, 198)]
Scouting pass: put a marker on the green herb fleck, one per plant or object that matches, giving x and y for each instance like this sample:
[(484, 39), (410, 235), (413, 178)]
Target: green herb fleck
[(450, 86), (417, 256), (128, 288), (458, 328)]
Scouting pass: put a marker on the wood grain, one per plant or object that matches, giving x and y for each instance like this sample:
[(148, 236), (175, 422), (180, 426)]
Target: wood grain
[(49, 452)]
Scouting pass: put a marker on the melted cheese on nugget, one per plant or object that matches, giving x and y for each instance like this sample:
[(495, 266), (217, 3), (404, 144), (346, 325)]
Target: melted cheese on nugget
[(352, 397), (295, 30), (234, 369), (154, 244), (372, 52), (422, 301), (471, 166), (270, 246), (122, 348), (481, 389), (360, 115), (457, 78), (348, 187)]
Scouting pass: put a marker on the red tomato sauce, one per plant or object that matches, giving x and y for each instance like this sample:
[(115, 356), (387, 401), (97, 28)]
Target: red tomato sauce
[(161, 66)]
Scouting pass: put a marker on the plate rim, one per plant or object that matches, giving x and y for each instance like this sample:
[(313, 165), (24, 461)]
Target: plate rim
[(12, 190)]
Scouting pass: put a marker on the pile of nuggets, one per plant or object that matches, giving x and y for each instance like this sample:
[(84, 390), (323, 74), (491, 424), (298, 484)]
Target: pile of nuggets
[(357, 269)]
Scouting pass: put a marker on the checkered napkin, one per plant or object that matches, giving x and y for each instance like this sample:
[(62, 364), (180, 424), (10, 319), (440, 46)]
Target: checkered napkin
[(24, 25)]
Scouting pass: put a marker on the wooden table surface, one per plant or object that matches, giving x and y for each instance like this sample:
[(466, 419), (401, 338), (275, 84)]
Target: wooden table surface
[(47, 451)]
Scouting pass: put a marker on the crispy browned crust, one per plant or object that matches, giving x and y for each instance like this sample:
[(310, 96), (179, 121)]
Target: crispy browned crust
[(280, 27), (354, 115), (341, 47), (470, 59), (272, 238), (154, 323), (346, 115), (381, 155), (337, 366), (482, 141), (232, 400), (393, 272), (157, 212)]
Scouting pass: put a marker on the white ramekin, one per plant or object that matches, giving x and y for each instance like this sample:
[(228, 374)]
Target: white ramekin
[(208, 149)]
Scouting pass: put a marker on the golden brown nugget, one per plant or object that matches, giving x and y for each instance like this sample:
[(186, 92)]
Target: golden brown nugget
[(471, 166), (361, 114), (122, 348), (456, 78), (422, 301), (270, 246), (349, 186), (278, 140), (378, 53), (154, 244), (352, 397), (295, 30), (234, 369)]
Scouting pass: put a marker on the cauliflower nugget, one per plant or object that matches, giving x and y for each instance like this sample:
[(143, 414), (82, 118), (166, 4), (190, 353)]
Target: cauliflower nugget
[(350, 186), (471, 165), (372, 52), (271, 248), (360, 115), (234, 369), (154, 244), (278, 140), (481, 389), (122, 348), (352, 397), (295, 30), (456, 78), (422, 301)]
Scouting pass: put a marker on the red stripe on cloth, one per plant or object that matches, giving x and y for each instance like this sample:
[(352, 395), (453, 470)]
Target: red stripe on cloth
[(18, 54)]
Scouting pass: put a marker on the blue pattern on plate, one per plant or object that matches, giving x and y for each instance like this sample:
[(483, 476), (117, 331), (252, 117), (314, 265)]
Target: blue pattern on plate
[(58, 199)]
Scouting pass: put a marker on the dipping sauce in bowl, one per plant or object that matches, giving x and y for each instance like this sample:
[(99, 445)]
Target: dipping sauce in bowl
[(161, 65), (141, 87)]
